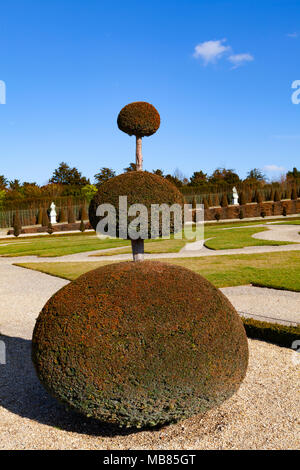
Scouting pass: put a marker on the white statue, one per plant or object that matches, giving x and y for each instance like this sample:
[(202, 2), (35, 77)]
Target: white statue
[(235, 196), (52, 213)]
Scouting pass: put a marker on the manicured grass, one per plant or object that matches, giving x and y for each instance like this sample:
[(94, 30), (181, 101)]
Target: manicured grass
[(57, 245), (278, 270), (236, 238), (60, 245), (289, 222), (151, 246)]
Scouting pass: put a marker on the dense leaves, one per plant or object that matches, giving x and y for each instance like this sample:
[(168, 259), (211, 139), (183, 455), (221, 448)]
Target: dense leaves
[(140, 344), (139, 118), (140, 187)]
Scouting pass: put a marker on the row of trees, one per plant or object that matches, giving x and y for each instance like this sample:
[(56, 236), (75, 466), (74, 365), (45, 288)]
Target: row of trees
[(246, 197), (68, 181)]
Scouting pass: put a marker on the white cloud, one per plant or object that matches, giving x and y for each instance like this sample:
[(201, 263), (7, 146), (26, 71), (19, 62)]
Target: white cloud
[(293, 35), (239, 59), (274, 168), (211, 51)]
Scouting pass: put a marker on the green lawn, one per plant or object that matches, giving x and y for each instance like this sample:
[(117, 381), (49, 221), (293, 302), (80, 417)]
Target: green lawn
[(289, 222), (59, 245), (151, 246), (236, 238), (278, 270)]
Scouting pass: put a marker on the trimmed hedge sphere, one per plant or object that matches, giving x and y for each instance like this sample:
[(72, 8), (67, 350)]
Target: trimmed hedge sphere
[(140, 344), (139, 119), (140, 187)]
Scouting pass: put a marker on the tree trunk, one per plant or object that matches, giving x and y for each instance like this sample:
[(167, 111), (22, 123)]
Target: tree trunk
[(138, 154), (137, 249)]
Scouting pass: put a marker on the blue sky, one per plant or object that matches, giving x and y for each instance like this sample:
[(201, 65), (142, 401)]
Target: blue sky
[(219, 73)]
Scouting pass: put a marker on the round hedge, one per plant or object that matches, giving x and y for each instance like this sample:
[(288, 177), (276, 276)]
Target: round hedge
[(139, 119), (140, 187), (140, 344)]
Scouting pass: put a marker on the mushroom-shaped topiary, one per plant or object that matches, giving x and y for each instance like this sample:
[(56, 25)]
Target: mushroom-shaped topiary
[(140, 344), (140, 119), (140, 187)]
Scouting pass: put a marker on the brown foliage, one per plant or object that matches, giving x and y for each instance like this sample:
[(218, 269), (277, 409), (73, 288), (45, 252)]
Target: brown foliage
[(140, 187), (139, 119), (140, 344)]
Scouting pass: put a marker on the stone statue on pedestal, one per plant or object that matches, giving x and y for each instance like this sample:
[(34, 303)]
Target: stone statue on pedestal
[(235, 196), (52, 213)]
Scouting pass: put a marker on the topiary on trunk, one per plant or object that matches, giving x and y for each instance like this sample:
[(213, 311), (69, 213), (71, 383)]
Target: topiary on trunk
[(140, 119), (140, 187), (140, 344)]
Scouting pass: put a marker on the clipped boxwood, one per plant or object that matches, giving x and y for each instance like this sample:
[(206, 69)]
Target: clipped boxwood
[(140, 187), (282, 335), (139, 118), (143, 344)]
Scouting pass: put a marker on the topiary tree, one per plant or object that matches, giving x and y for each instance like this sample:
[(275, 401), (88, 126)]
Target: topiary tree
[(294, 194), (217, 201), (140, 187), (82, 226), (40, 216), (139, 344), (224, 201), (71, 216), (50, 228), (45, 218), (140, 353), (62, 215), (205, 203), (277, 196), (259, 198), (17, 224), (83, 213), (140, 119), (242, 199)]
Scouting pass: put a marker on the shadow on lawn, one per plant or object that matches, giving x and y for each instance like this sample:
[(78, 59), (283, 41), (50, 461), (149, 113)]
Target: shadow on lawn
[(22, 394)]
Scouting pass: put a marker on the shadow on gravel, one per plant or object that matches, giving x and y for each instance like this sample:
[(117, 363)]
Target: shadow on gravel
[(22, 394)]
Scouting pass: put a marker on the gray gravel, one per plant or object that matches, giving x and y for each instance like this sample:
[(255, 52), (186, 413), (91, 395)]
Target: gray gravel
[(265, 304), (286, 233)]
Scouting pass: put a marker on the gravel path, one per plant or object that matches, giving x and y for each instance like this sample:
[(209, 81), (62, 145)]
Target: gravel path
[(264, 414), (286, 233), (265, 304), (190, 250)]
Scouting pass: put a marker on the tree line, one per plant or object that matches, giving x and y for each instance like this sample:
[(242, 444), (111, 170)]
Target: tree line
[(69, 181)]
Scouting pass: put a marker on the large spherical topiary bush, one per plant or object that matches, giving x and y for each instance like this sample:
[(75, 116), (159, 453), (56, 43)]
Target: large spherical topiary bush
[(140, 344), (140, 187), (139, 118)]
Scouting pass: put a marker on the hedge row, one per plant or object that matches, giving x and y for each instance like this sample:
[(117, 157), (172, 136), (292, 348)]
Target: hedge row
[(56, 228), (262, 209), (275, 333)]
